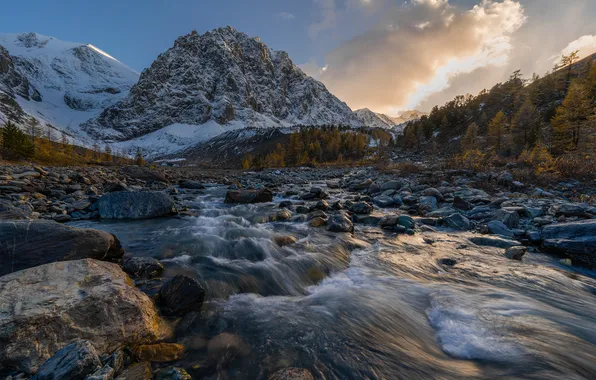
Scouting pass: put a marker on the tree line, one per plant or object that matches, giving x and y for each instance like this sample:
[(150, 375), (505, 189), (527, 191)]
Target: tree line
[(33, 143), (313, 145)]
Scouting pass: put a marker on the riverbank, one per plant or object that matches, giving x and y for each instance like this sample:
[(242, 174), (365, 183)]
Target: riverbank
[(237, 274)]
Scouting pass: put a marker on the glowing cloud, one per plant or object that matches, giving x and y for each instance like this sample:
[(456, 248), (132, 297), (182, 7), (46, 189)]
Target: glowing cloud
[(417, 50)]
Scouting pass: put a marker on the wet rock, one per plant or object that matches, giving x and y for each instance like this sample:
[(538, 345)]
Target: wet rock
[(31, 243), (192, 185), (136, 205), (144, 174), (302, 209), (458, 222), (292, 374), (576, 238), (340, 223), (322, 205), (249, 196), (286, 204), (138, 371), (227, 344), (181, 295), (448, 262), (570, 209), (317, 214), (406, 221), (284, 214), (73, 362), (496, 227), (282, 241), (116, 361), (361, 208), (494, 241), (143, 267), (160, 353), (49, 306), (388, 221), (317, 222), (104, 373), (172, 373), (515, 253)]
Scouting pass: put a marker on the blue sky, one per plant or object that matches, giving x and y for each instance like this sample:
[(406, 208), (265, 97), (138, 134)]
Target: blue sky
[(386, 55)]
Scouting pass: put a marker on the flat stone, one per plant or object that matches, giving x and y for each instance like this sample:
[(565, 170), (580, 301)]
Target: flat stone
[(73, 362), (136, 205)]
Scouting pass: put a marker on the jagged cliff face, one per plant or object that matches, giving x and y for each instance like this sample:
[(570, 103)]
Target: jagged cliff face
[(60, 83), (374, 120), (226, 77)]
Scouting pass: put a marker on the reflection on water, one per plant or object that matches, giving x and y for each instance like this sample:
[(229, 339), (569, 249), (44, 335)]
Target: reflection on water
[(382, 307)]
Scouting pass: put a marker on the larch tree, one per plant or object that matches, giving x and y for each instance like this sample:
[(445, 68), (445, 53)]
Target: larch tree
[(573, 118), (497, 128), (469, 141), (524, 127)]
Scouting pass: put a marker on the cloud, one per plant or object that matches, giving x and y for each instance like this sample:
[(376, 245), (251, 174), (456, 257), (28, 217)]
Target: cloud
[(585, 45), (417, 50), (329, 17), (284, 16)]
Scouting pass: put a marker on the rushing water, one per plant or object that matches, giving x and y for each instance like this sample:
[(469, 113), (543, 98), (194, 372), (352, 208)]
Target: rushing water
[(372, 306)]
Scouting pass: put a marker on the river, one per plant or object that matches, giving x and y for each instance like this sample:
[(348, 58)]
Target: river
[(374, 305)]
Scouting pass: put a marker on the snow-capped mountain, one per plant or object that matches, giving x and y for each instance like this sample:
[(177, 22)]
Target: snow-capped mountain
[(372, 119), (408, 116), (219, 81), (62, 83)]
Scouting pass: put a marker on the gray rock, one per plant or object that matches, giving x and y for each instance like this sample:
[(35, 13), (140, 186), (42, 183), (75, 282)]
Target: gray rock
[(340, 223), (172, 373), (389, 221), (509, 218), (28, 244), (143, 267), (249, 196), (136, 205), (73, 362), (494, 241), (462, 204), (9, 212), (515, 253), (432, 192), (363, 185), (181, 295), (505, 178), (192, 185), (62, 218), (383, 201), (570, 209), (137, 371), (496, 227), (47, 307), (391, 185), (406, 221), (361, 208), (576, 238), (322, 205), (144, 174), (104, 373), (458, 222), (428, 204)]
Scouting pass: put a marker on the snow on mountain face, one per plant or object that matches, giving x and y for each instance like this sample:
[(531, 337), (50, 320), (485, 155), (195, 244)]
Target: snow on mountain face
[(373, 119), (69, 82), (222, 76)]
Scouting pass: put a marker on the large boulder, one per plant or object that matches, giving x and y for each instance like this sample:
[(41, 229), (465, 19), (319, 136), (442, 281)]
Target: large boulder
[(577, 239), (27, 244), (136, 205), (292, 374), (496, 227), (458, 222), (249, 196), (46, 308)]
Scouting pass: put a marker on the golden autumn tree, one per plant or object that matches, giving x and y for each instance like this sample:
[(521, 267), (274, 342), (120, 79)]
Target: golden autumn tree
[(572, 121), (496, 130)]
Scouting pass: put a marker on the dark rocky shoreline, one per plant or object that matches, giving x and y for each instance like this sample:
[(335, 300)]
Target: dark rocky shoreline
[(69, 290)]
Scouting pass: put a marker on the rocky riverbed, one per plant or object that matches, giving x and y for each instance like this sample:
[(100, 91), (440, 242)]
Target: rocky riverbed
[(132, 273)]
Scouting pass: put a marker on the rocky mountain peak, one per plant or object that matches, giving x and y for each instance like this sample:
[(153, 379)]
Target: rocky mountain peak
[(225, 77)]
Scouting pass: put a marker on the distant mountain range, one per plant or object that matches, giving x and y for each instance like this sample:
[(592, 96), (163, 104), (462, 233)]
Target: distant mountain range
[(200, 88)]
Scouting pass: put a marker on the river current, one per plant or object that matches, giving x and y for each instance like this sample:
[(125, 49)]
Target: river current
[(374, 305)]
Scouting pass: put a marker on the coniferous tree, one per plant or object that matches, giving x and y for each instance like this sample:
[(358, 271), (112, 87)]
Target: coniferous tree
[(469, 141), (496, 130), (572, 120)]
